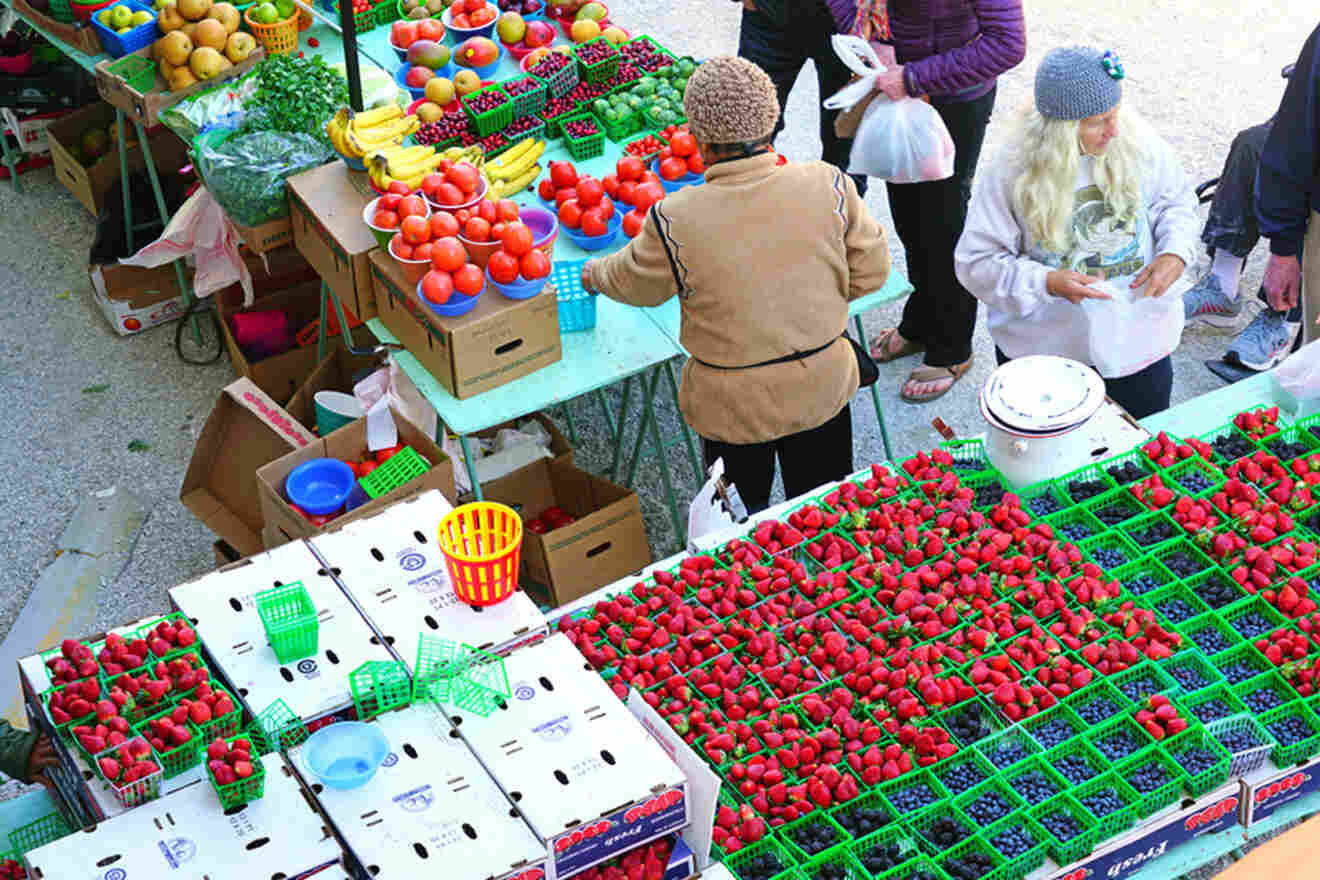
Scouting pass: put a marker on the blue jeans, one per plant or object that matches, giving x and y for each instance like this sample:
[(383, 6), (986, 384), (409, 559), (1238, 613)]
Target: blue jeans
[(1142, 394)]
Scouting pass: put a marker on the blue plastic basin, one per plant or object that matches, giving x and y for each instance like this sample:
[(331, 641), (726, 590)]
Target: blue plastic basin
[(346, 754), (320, 486)]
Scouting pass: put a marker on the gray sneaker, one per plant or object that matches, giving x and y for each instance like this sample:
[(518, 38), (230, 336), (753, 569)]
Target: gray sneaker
[(1207, 302), (1265, 342)]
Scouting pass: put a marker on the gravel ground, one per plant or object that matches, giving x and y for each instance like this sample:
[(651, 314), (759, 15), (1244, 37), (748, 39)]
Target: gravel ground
[(1200, 70)]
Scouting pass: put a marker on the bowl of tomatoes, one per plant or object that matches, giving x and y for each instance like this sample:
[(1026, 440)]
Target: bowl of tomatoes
[(384, 214), (459, 187), (470, 18), (596, 241), (454, 304)]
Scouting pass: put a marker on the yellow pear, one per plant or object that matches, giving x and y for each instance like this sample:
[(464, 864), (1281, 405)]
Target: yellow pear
[(190, 29), (165, 68), (175, 47), (226, 14), (210, 33), (194, 10), (205, 62), (170, 19), (239, 46), (181, 78)]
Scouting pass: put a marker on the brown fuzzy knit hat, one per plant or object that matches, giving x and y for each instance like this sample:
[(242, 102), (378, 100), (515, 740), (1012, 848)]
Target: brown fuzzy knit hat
[(730, 101)]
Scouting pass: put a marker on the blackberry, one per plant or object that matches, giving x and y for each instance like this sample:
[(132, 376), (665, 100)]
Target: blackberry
[(970, 725), (988, 808), (1195, 482), (1286, 450), (1127, 472), (761, 866), (861, 821), (883, 857), (1006, 754), (1263, 700), (1118, 745), (1076, 531), (1175, 610), (814, 837), (968, 466), (945, 833), (1252, 624), (971, 865), (1054, 732), (1075, 768), (1103, 802), (989, 495), (1231, 447), (1315, 431), (1156, 533), (1084, 490), (1035, 787), (1189, 677), (961, 777), (1044, 505), (1138, 689), (831, 871), (1148, 777), (1108, 558), (1238, 671), (1183, 564), (1218, 592), (912, 798), (1210, 640), (1212, 710), (922, 875), (1142, 584), (1096, 710), (1314, 525), (1062, 825), (1289, 730), (1012, 842)]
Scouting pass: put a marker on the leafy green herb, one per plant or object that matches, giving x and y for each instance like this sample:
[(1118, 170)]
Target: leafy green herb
[(95, 389), (138, 446), (295, 95)]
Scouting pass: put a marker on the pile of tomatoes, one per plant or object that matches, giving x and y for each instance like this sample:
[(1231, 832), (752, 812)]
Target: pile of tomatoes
[(635, 186), (451, 184), (550, 519), (680, 157), (516, 256), (392, 208)]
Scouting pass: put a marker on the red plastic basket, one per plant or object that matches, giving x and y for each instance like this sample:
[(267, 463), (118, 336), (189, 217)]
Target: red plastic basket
[(482, 543)]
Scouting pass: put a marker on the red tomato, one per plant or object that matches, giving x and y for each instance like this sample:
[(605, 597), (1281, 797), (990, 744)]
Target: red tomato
[(384, 455), (517, 238), (400, 248), (465, 176), (476, 229), (606, 208), (570, 214), (352, 466), (592, 223), (448, 194), (469, 280), (497, 230), (590, 192), (533, 265), (385, 220), (415, 230), (486, 211), (367, 467), (563, 174), (507, 209), (683, 144), (432, 182), (627, 191), (462, 215), (546, 189), (443, 224), (422, 251), (632, 223), (448, 254), (629, 168), (389, 202), (503, 267), (673, 168), (430, 29), (695, 164), (563, 195), (437, 287), (611, 184), (665, 153), (398, 187), (412, 206)]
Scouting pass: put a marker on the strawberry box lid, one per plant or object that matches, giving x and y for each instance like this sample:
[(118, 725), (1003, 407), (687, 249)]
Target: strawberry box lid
[(391, 566), (430, 803), (566, 745), (186, 836), (223, 604)]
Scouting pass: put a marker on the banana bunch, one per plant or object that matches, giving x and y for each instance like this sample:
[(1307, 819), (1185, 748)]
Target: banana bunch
[(406, 164), (357, 134), (473, 155), (515, 169)]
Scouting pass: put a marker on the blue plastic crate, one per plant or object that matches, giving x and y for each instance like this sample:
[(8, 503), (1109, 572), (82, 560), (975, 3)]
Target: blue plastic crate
[(119, 45), (577, 307)]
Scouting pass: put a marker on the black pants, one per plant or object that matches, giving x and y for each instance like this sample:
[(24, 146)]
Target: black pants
[(1142, 394), (1231, 223), (781, 50), (929, 218), (808, 459)]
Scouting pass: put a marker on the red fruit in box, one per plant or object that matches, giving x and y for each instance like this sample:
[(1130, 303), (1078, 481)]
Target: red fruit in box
[(109, 768)]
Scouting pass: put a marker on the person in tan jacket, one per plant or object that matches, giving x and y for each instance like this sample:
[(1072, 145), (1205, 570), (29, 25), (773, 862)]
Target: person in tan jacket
[(764, 259)]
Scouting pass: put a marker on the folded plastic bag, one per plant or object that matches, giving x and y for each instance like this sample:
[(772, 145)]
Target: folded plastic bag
[(1130, 331)]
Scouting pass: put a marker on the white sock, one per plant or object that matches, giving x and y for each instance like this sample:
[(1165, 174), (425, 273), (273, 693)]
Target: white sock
[(1228, 269)]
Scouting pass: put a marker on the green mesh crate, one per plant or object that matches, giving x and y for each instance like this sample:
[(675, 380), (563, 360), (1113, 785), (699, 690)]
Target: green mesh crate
[(886, 849), (1183, 559), (177, 759), (1191, 670), (1008, 748), (1222, 585), (1228, 439), (1075, 524), (1296, 731), (988, 489), (222, 725), (912, 792), (149, 631), (1175, 604), (532, 100), (1086, 483), (379, 686), (1142, 775), (1297, 434), (401, 467), (931, 824), (1128, 468), (1195, 476), (1067, 845), (1241, 663), (922, 866), (839, 860), (1143, 577), (1110, 550), (863, 815), (1055, 726), (1121, 817), (970, 721), (1097, 702), (439, 663), (1211, 635), (1142, 681), (241, 791), (965, 770), (65, 729), (1043, 499), (587, 146), (483, 685), (485, 123), (1022, 827), (1264, 693), (989, 802), (1211, 704), (1152, 530), (136, 70), (277, 728), (598, 71), (1119, 738), (956, 862), (765, 852), (48, 829), (1076, 762), (1035, 781), (790, 834), (1116, 507), (1252, 618), (1215, 758), (970, 457), (1246, 740), (290, 621)]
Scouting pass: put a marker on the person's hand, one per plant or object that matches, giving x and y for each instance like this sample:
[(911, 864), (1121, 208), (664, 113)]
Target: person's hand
[(885, 53), (586, 276), (749, 5), (1283, 282), (1159, 274), (891, 83), (1073, 286), (41, 757)]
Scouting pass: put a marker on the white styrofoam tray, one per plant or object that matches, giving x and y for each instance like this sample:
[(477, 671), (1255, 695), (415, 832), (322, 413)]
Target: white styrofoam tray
[(222, 604), (392, 567), (430, 808), (186, 836)]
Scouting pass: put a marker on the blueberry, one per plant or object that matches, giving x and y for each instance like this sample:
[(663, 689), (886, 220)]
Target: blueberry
[(921, 875), (1237, 741), (883, 857), (1218, 592), (1108, 557), (1137, 689), (988, 808), (1289, 730), (831, 871), (968, 465), (1189, 677), (1196, 760), (1175, 610), (1082, 490), (1148, 777), (1076, 531), (1315, 431), (1210, 640), (1127, 472), (1054, 732), (815, 837), (1035, 787), (1238, 671), (1007, 754), (913, 797), (761, 866), (1075, 768), (1103, 802), (1062, 825), (1195, 482), (1118, 745), (944, 833), (1286, 450), (1212, 710), (1096, 710), (1252, 624), (972, 865), (1142, 584), (1044, 505), (961, 777), (1231, 447), (1263, 700), (1183, 564), (861, 821), (1012, 842), (1156, 533), (989, 495)]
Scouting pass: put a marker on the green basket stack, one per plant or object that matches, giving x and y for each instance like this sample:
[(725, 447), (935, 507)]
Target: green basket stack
[(585, 147), (290, 620), (379, 686), (181, 757), (48, 829), (398, 469)]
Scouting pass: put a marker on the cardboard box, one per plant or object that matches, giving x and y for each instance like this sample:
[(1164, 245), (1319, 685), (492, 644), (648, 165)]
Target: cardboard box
[(429, 804), (89, 184), (186, 835), (80, 36), (335, 373), (147, 106), (278, 375), (1160, 834), (134, 299), (545, 753), (1280, 857), (607, 542), (29, 129), (391, 567), (267, 236), (498, 341), (325, 209), (1271, 787), (560, 449), (349, 442), (223, 606), (245, 430)]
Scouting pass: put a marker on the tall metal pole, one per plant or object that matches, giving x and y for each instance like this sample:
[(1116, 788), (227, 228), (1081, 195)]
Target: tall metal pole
[(349, 29)]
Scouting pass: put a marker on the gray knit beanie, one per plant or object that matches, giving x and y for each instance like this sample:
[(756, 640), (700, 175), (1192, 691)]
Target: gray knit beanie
[(1077, 81), (730, 101)]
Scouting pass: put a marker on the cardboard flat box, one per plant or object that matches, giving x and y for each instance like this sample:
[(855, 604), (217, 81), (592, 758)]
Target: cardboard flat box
[(325, 210), (135, 299), (429, 804), (498, 341), (147, 106), (545, 753), (390, 565), (607, 542), (90, 183), (1284, 856), (186, 835), (349, 442), (268, 236), (1271, 787), (246, 430), (223, 606), (336, 372)]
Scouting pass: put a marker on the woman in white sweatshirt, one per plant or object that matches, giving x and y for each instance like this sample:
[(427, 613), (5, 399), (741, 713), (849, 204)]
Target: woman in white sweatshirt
[(1087, 205)]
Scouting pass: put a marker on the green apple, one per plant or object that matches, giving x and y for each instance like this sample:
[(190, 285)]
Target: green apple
[(592, 11), (141, 17), (265, 13), (285, 9), (121, 17), (104, 17)]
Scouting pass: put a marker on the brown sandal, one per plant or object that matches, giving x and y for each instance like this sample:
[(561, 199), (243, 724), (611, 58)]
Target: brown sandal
[(882, 351), (926, 374)]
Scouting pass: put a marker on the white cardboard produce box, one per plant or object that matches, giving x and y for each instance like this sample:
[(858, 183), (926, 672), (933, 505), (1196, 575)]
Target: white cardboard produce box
[(588, 777), (186, 836), (393, 569), (430, 810), (223, 605)]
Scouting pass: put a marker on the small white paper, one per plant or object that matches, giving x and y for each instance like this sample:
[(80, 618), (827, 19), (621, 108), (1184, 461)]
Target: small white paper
[(707, 513), (381, 432)]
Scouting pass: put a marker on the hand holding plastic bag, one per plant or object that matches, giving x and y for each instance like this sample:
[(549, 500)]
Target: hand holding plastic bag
[(1130, 331), (899, 141)]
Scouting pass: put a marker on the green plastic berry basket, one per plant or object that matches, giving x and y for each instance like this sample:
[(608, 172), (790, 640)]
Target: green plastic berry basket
[(290, 620), (1192, 704), (991, 786), (1185, 468), (483, 685), (362, 21), (222, 725), (136, 70), (1217, 577), (149, 631), (1065, 851), (945, 770), (923, 821), (1159, 797), (1295, 434), (379, 686), (914, 779), (601, 70), (766, 846), (1085, 475), (1144, 680), (975, 845), (840, 860), (1099, 689), (1134, 457), (241, 791), (1114, 541), (786, 831), (1287, 754), (1203, 781), (1008, 748), (989, 487), (1166, 551), (1047, 493), (870, 800), (277, 728), (1234, 616), (896, 836), (179, 759), (1116, 822), (1141, 531), (531, 101), (1114, 504), (1245, 759), (130, 794), (1080, 748), (969, 457), (1037, 765), (1243, 658), (48, 829), (1167, 597), (1193, 630), (1191, 659), (1053, 716), (1020, 865), (405, 465), (1222, 461), (439, 664), (487, 122), (1267, 682), (975, 710), (64, 730), (1119, 739), (1066, 521), (922, 866), (583, 148)]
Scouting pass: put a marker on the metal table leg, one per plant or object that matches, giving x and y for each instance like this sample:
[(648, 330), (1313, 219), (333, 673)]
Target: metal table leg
[(618, 435), (471, 464), (124, 188), (11, 157), (875, 395), (683, 426)]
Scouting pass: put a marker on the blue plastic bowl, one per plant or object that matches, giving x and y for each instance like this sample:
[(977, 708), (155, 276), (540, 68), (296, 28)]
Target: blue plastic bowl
[(688, 179), (519, 289), (457, 305), (401, 54), (346, 754), (320, 486), (461, 34), (596, 242), (418, 94)]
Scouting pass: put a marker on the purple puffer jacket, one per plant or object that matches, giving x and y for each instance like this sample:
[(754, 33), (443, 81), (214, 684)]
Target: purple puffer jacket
[(950, 49)]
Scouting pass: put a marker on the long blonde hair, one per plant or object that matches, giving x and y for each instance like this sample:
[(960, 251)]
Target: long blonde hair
[(1049, 151)]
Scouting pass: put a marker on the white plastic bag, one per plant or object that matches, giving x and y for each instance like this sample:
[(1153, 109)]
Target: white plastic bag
[(899, 141), (1299, 375), (1130, 331)]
